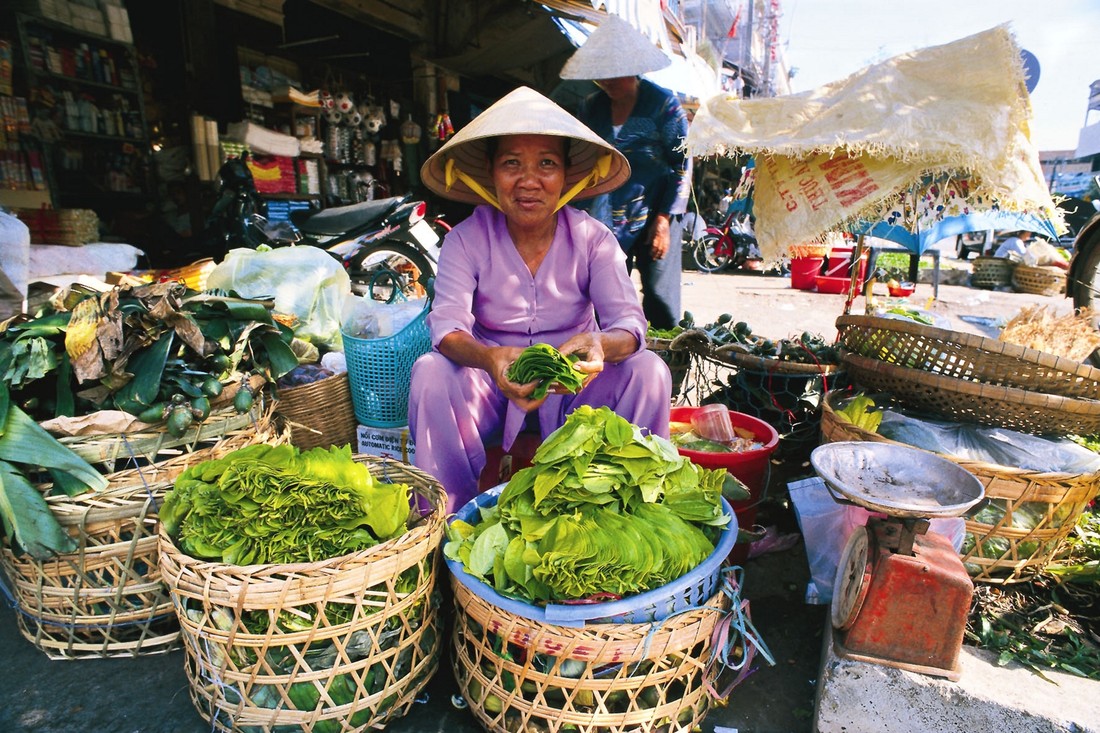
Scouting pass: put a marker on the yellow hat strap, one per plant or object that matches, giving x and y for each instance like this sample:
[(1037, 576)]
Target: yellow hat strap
[(599, 172), (452, 173)]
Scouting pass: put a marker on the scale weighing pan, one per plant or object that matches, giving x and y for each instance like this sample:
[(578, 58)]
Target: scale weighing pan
[(897, 480)]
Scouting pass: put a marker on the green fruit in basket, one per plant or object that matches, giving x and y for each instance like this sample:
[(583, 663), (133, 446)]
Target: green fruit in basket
[(242, 401), (153, 414), (201, 407), (212, 386), (179, 420)]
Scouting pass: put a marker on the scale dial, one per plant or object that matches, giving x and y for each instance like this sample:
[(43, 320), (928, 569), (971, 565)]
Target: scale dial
[(853, 579)]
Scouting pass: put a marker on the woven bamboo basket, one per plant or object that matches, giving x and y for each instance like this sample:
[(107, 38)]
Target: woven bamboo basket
[(319, 414), (373, 643), (1039, 280), (113, 452), (523, 675), (991, 272), (966, 356), (995, 551), (106, 598), (971, 402)]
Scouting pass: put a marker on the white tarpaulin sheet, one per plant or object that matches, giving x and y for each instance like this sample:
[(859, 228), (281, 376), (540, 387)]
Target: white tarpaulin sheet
[(835, 154)]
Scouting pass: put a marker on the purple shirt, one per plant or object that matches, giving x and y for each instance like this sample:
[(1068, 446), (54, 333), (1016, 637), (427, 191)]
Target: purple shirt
[(485, 289)]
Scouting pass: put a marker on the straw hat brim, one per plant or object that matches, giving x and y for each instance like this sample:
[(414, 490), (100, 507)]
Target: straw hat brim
[(615, 49), (521, 112)]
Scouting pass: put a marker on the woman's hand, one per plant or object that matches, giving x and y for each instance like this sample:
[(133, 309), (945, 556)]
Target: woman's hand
[(589, 348), (659, 247), (500, 359)]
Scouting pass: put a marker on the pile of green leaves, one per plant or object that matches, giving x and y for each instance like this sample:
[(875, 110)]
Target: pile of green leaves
[(135, 348), (546, 365), (602, 510), (263, 504), (860, 411)]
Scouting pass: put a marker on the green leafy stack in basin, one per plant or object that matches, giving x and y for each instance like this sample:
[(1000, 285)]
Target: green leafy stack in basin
[(603, 512)]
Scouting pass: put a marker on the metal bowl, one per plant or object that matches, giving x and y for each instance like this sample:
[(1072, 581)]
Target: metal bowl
[(896, 479)]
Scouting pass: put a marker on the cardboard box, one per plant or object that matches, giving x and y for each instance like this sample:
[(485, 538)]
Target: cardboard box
[(393, 443)]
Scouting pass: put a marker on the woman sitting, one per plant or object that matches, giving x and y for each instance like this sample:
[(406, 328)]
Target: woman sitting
[(526, 269)]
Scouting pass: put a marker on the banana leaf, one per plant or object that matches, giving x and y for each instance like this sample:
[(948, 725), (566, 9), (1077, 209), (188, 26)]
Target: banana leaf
[(27, 518), (147, 366)]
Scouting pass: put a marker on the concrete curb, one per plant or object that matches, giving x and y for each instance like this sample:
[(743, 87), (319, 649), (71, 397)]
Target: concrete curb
[(858, 697)]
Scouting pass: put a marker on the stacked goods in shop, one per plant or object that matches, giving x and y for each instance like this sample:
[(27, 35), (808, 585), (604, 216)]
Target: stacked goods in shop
[(565, 577), (116, 392), (70, 227), (976, 383), (303, 583)]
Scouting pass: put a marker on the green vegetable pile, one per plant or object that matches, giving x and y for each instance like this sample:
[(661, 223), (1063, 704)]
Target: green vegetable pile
[(263, 504), (602, 510), (861, 412), (546, 365)]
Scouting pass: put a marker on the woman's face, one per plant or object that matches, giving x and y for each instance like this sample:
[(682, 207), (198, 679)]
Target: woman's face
[(529, 175)]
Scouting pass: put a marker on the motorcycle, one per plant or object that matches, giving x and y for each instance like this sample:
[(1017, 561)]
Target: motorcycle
[(389, 249), (730, 244)]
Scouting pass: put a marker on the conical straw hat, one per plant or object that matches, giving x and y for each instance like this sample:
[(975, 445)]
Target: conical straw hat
[(594, 164), (615, 49)]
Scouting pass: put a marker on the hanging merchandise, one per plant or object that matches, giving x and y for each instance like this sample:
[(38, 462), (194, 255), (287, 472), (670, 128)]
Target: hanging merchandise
[(370, 156), (375, 119), (410, 140), (442, 127), (345, 104), (395, 110)]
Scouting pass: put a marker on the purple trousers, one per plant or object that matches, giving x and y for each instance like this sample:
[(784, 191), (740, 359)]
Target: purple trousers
[(455, 411)]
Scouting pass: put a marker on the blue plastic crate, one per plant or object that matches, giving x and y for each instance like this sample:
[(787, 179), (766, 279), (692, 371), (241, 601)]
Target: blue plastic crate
[(379, 372), (690, 591)]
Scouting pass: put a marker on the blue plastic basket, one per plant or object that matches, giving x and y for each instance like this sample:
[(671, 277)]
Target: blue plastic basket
[(379, 371), (690, 591)]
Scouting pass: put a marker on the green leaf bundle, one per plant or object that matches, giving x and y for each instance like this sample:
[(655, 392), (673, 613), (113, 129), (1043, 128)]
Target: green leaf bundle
[(264, 504), (546, 365), (602, 509)]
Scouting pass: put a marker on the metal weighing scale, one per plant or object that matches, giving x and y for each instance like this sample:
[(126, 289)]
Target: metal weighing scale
[(902, 595)]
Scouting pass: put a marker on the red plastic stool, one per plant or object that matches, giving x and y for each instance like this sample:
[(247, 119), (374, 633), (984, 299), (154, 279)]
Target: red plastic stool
[(500, 466)]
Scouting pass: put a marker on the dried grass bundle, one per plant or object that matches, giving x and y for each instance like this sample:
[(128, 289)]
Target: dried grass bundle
[(807, 249), (1072, 336)]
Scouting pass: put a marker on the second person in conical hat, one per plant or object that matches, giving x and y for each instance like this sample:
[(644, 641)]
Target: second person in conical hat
[(523, 269)]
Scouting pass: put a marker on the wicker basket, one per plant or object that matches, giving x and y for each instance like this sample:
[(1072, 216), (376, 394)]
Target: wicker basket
[(991, 272), (319, 414), (966, 356), (113, 452), (373, 646), (523, 675), (106, 598), (1039, 280), (971, 402), (995, 551)]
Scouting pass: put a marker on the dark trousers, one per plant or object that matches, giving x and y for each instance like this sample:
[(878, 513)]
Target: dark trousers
[(660, 278)]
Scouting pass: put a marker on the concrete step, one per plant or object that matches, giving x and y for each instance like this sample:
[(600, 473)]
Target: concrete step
[(861, 697)]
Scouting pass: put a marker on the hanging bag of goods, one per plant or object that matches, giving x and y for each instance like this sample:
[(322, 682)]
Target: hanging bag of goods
[(303, 585)]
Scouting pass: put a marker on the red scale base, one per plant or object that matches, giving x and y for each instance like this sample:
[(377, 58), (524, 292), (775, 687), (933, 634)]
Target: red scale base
[(902, 608)]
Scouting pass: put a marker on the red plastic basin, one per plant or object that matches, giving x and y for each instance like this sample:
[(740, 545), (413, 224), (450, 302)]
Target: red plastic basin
[(750, 467)]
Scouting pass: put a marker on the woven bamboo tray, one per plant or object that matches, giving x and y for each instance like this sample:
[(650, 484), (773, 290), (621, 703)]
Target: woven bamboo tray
[(523, 675), (113, 452), (320, 414), (106, 598), (1039, 280), (996, 551), (970, 402), (966, 356), (991, 272), (359, 667)]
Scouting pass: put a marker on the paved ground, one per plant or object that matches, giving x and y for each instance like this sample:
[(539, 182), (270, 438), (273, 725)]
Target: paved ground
[(150, 695)]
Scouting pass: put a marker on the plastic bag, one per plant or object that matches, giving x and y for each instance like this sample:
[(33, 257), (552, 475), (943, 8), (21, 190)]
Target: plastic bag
[(365, 318), (306, 282), (991, 445), (826, 525)]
